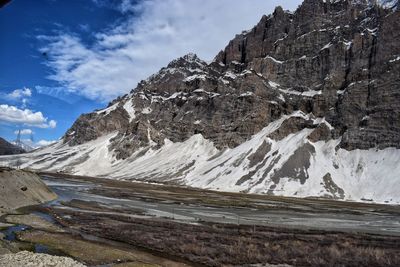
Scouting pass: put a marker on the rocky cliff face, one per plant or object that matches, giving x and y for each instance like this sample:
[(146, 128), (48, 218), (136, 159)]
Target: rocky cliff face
[(342, 55), (335, 59), (285, 108)]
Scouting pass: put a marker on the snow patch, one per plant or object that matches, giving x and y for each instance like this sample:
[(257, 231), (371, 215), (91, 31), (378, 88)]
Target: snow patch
[(128, 106), (309, 93), (108, 110), (274, 60), (348, 44), (195, 77), (147, 110), (327, 46), (395, 59), (230, 75), (273, 84), (246, 94)]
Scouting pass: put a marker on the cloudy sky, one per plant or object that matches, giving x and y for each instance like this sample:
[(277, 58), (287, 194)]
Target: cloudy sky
[(63, 58)]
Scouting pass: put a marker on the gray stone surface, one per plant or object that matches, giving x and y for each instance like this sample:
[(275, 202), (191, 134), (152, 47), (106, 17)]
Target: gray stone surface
[(29, 259)]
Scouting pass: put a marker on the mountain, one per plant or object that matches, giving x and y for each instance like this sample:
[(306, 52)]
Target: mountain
[(26, 145), (303, 104), (7, 148)]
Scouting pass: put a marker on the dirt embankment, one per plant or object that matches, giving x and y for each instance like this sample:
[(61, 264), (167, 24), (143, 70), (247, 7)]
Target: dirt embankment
[(19, 188)]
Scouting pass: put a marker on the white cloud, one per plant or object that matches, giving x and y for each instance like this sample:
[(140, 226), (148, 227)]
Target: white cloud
[(20, 93), (153, 33), (52, 124), (29, 145), (44, 143), (25, 116), (24, 132)]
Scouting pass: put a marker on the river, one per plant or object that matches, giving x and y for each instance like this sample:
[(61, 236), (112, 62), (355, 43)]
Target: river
[(313, 216)]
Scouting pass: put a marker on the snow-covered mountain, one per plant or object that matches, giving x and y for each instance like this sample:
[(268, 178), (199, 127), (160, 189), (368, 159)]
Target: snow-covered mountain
[(304, 104), (292, 166), (7, 148), (25, 145)]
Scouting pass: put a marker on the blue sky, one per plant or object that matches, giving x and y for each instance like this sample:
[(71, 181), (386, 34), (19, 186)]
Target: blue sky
[(60, 58), (22, 65)]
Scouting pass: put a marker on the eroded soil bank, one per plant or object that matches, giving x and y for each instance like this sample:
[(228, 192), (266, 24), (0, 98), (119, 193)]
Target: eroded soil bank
[(19, 188)]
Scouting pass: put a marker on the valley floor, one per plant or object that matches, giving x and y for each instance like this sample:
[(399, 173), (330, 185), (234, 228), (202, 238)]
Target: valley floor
[(152, 225)]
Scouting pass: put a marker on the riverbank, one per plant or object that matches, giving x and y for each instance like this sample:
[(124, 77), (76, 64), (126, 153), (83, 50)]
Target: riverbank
[(23, 198), (20, 188), (193, 205), (208, 228), (103, 222)]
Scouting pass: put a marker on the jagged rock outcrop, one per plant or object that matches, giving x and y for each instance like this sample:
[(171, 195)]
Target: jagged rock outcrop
[(305, 103), (343, 53), (187, 97)]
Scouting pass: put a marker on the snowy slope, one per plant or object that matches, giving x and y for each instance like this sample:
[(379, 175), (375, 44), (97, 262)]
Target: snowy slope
[(293, 166)]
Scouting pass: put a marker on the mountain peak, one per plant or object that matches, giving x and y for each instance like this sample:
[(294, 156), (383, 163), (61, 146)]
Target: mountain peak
[(189, 59)]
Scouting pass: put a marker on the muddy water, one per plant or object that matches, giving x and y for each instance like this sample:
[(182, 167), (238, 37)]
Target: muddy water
[(10, 233), (365, 221)]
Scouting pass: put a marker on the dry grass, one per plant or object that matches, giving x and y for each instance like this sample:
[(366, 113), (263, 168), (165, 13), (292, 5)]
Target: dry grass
[(93, 253), (220, 244)]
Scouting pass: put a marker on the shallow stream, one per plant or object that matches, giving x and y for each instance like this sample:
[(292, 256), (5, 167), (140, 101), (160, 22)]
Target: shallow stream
[(370, 222)]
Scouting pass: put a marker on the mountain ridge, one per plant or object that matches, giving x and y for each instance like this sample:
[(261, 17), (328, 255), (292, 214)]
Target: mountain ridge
[(7, 148)]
